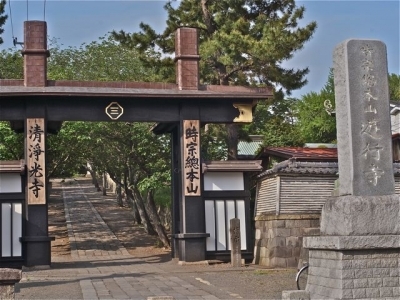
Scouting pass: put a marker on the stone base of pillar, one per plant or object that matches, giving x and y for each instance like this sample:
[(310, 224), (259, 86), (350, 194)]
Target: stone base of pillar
[(192, 246), (353, 267), (37, 250), (8, 279), (357, 255), (361, 216)]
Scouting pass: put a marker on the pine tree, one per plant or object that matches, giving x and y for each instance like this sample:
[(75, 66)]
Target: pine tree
[(3, 18), (242, 42), (316, 124)]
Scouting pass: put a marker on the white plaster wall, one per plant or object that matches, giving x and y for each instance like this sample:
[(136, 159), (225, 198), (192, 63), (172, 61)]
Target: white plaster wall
[(223, 181), (10, 183)]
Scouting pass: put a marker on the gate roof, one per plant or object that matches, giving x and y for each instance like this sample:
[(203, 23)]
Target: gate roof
[(9, 87)]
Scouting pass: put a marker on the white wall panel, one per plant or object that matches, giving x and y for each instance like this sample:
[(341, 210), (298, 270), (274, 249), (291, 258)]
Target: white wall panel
[(223, 181), (17, 229), (5, 229), (221, 228), (210, 224), (10, 183)]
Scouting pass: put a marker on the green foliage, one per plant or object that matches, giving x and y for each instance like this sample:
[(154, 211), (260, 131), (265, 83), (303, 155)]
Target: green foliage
[(241, 41), (163, 196), (103, 60), (11, 64), (394, 87), (213, 142), (67, 151), (315, 124), (277, 123), (11, 143), (3, 18), (118, 148)]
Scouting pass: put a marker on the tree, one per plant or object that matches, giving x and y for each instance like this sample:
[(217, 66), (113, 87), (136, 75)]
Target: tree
[(102, 60), (11, 143), (394, 87), (11, 64), (137, 160), (242, 42), (132, 156), (277, 123), (316, 125), (67, 150), (3, 18)]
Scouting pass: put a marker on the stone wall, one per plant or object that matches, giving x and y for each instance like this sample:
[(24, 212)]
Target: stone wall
[(354, 274), (279, 239)]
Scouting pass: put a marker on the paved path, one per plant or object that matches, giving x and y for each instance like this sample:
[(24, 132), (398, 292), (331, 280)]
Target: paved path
[(88, 234), (101, 268)]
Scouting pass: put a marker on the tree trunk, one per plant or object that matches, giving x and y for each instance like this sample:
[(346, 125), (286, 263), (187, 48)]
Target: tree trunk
[(118, 191), (94, 179), (232, 131), (104, 184), (118, 187), (155, 218), (134, 210), (165, 217), (148, 227), (131, 202)]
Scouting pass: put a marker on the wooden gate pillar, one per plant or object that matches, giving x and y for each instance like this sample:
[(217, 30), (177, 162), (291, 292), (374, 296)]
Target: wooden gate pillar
[(190, 242), (176, 190), (192, 237), (36, 242)]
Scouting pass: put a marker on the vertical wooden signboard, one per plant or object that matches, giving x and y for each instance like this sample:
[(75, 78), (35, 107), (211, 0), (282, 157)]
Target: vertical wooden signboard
[(35, 151), (191, 157)]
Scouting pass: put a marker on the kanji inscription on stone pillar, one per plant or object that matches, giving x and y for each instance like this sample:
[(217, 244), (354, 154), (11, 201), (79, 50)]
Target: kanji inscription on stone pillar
[(363, 120)]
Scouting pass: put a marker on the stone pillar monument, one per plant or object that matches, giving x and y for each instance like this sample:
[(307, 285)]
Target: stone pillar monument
[(236, 251), (358, 253)]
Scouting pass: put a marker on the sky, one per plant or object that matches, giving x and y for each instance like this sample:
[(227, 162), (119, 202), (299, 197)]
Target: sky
[(76, 22)]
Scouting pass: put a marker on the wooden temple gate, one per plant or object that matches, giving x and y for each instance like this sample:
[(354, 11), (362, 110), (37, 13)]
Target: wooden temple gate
[(38, 106)]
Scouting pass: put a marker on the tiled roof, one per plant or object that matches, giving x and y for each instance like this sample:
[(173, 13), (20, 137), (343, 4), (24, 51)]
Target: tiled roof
[(232, 165), (15, 87), (325, 154), (293, 166), (12, 166)]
